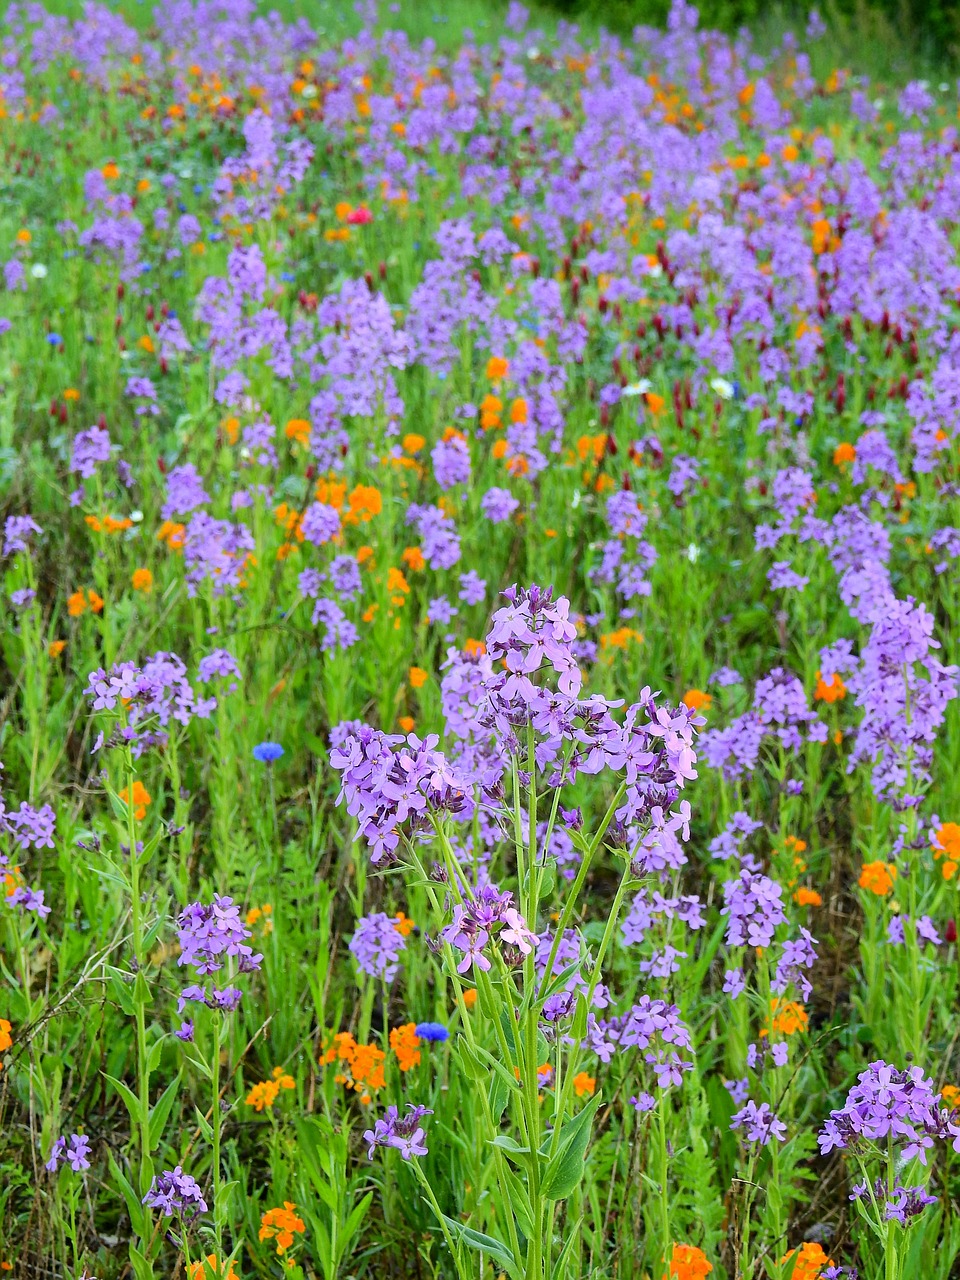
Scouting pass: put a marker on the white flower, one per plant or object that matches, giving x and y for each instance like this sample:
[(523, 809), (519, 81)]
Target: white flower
[(723, 388), (636, 389), (309, 91), (693, 553), (38, 271), (654, 270), (533, 52), (136, 516)]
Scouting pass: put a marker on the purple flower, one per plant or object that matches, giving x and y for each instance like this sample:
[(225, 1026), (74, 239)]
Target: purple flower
[(498, 505), (76, 1149), (209, 932), (320, 523), (89, 448), (17, 531), (887, 1103), (176, 1194), (377, 945), (404, 1133), (759, 1123)]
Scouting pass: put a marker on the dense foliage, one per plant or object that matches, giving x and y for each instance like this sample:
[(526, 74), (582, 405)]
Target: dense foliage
[(478, 702)]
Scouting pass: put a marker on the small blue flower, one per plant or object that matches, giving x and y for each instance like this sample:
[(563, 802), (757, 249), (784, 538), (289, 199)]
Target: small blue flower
[(432, 1031), (54, 339), (267, 752)]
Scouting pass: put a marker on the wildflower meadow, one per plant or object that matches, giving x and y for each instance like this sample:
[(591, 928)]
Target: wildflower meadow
[(479, 532)]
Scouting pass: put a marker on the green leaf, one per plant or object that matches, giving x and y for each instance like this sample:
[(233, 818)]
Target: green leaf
[(494, 1249), (519, 1202), (131, 1199), (161, 1111), (565, 1167), (352, 1224), (509, 1145), (142, 1268), (573, 1235), (203, 1124), (129, 1097)]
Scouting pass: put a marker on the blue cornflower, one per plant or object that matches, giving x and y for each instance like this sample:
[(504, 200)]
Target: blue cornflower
[(54, 339), (432, 1031), (267, 752)]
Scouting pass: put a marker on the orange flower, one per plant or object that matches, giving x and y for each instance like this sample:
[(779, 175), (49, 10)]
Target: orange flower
[(808, 1263), (832, 690), (211, 1267), (262, 1095), (172, 534), (949, 1093), (397, 582), (71, 393), (24, 236), (56, 647), (280, 1225), (110, 170), (6, 1040), (470, 997), (407, 723), (365, 503), (406, 1045), (418, 677), (807, 898), (475, 648), (497, 368), (878, 877), (141, 798), (413, 443), (946, 845), (655, 403), (145, 343), (298, 429), (142, 580), (697, 700), (687, 1262), (413, 559), (518, 410), (404, 926), (788, 1017), (95, 602), (843, 453), (821, 235), (584, 1085), (76, 604), (490, 409)]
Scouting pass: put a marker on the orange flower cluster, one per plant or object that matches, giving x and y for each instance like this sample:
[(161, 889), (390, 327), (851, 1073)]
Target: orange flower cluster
[(6, 1040), (78, 603), (809, 1262), (687, 1262), (697, 700), (832, 690), (210, 1266), (266, 1092), (358, 507), (281, 1225), (140, 799), (787, 1017), (361, 1065), (405, 1043), (584, 1085), (878, 877), (946, 845), (107, 524), (172, 534)]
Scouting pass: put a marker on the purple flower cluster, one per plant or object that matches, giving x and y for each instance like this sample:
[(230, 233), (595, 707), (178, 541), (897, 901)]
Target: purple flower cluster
[(403, 1133), (377, 945)]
